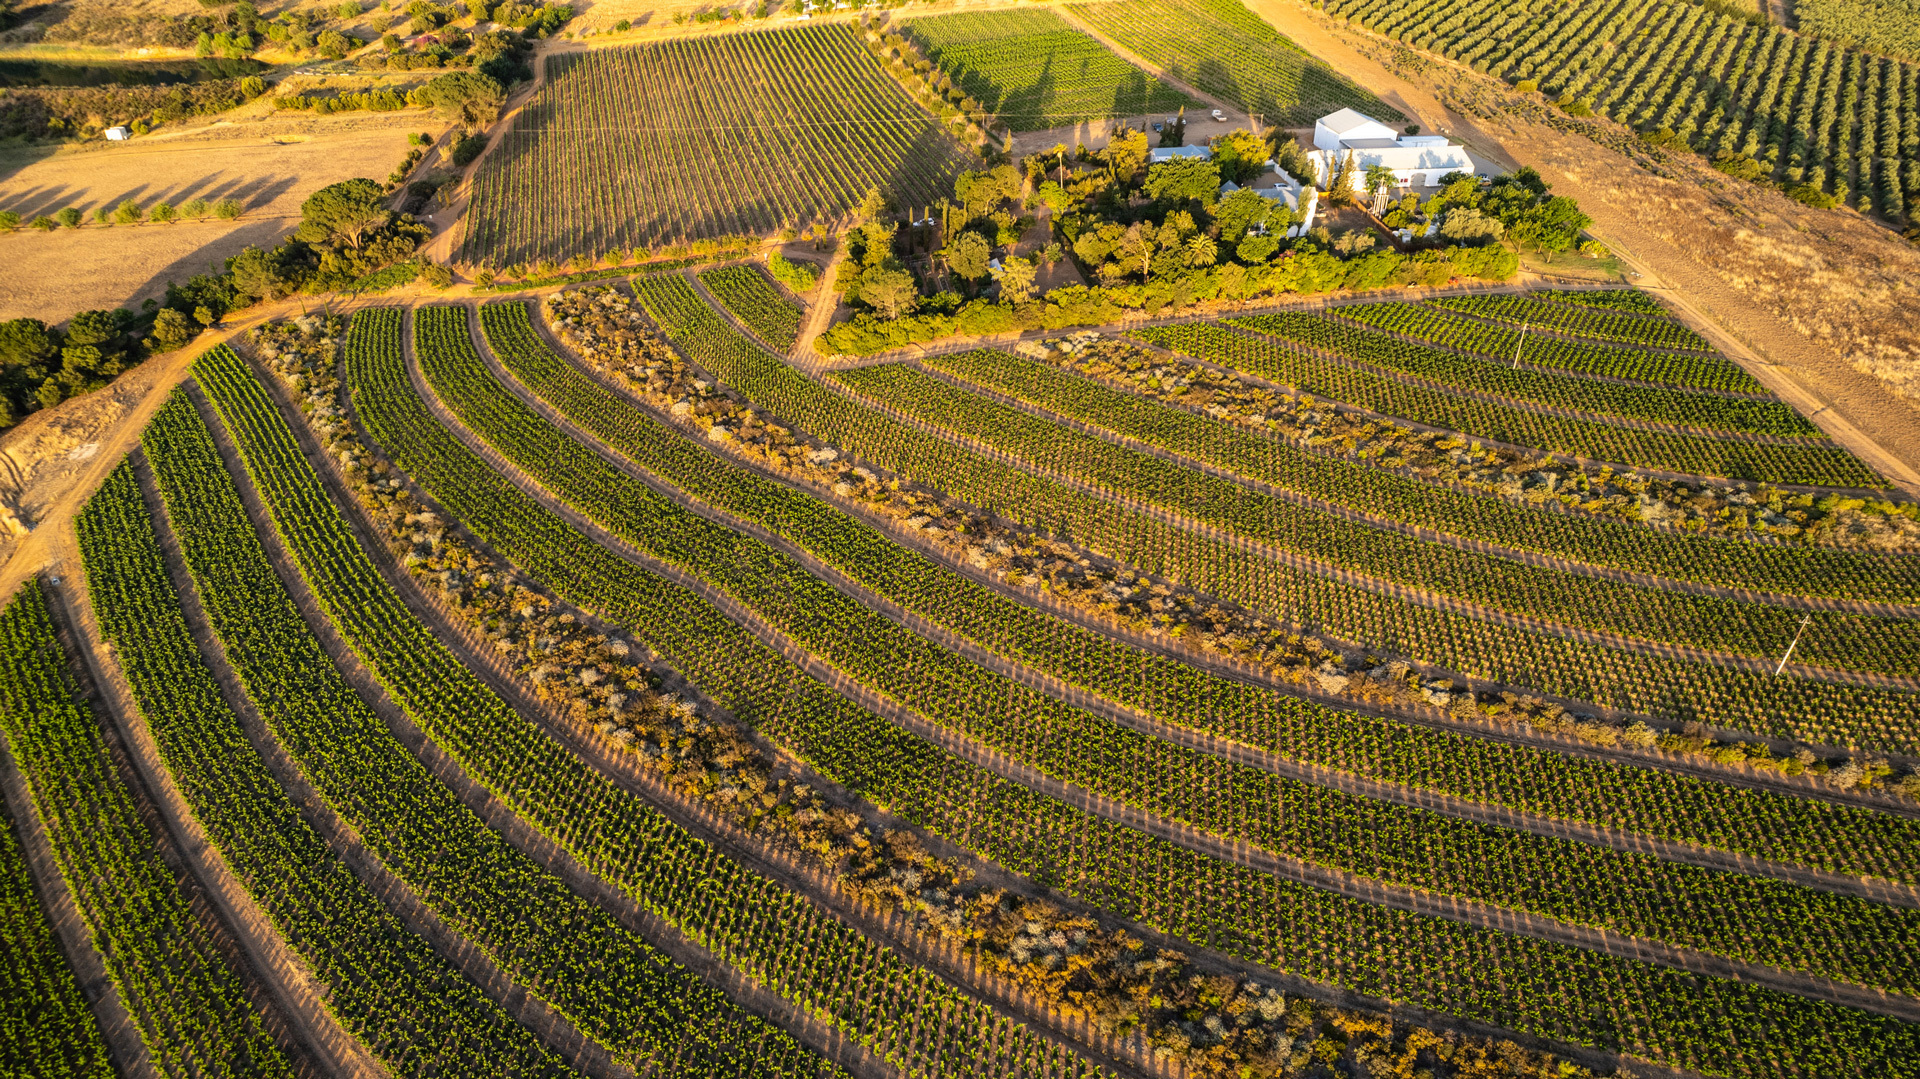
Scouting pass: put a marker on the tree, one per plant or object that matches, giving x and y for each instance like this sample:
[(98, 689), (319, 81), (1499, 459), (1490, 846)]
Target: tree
[(127, 213), (1289, 155), (9, 220), (466, 96), (890, 292), (25, 342), (1379, 178), (968, 254), (265, 274), (1201, 252), (333, 44), (1467, 225), (1238, 213), (1241, 155), (1125, 154), (343, 213), (162, 213), (1340, 188), (70, 217), (171, 330), (1016, 280), (1183, 179)]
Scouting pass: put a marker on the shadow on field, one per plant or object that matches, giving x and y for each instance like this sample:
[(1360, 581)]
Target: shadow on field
[(210, 257), (252, 192)]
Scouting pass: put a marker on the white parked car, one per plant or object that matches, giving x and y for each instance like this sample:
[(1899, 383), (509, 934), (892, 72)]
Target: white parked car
[(1218, 116)]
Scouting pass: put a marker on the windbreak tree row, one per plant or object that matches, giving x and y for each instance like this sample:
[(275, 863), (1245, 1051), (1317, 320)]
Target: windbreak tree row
[(752, 921)]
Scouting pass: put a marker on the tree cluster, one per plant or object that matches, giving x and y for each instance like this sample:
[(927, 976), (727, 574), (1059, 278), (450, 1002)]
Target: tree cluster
[(58, 111), (1160, 236)]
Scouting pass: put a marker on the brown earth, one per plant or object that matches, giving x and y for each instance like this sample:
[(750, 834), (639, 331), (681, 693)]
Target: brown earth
[(270, 164)]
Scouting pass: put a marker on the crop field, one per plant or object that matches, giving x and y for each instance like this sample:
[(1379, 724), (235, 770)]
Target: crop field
[(703, 516), (1808, 109), (1220, 48), (685, 140), (1034, 71)]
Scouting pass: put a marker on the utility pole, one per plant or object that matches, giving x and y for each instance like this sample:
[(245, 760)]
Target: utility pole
[(1804, 622)]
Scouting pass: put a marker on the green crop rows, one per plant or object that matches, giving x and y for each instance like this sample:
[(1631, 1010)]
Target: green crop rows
[(1845, 641), (754, 301), (1408, 957), (1630, 300), (1751, 820), (1220, 48), (412, 1009), (612, 985), (1598, 541), (43, 1019), (702, 137), (1265, 357), (1506, 344), (1605, 325), (1548, 388), (1582, 883), (1810, 711), (187, 1002), (747, 920), (1806, 111), (1033, 71)]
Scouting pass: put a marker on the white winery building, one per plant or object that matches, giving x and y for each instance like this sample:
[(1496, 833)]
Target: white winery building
[(1416, 160)]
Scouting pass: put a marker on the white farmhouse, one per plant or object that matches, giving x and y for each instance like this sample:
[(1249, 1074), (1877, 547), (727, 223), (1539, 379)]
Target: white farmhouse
[(1330, 130), (1288, 192), (1416, 160)]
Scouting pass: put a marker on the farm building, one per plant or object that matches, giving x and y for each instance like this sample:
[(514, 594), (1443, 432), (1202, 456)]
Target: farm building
[(118, 134), (1168, 153), (1415, 159)]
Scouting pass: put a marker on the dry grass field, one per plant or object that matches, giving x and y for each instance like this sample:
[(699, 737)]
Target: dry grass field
[(271, 165)]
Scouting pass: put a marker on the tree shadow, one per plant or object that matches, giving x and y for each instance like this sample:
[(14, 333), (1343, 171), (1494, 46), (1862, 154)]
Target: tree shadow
[(209, 257)]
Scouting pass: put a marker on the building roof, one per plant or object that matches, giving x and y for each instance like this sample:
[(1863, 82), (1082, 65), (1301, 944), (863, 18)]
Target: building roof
[(1347, 120), (1168, 153)]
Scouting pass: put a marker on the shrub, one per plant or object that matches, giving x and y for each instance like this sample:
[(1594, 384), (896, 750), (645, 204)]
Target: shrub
[(227, 209), (438, 276), (467, 148), (196, 208), (9, 220), (70, 217), (797, 276), (45, 223), (127, 213), (162, 213), (1812, 196)]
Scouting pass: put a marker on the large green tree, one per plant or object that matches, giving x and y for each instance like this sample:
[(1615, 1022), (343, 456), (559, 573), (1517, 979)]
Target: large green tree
[(344, 213)]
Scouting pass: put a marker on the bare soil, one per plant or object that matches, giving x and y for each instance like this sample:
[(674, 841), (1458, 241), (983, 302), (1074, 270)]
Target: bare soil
[(270, 164)]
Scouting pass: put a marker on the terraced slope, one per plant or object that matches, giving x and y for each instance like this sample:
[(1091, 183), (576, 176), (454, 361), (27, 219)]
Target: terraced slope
[(1590, 885), (617, 988), (774, 935), (186, 999), (1647, 682), (1653, 801), (412, 1009), (44, 1018)]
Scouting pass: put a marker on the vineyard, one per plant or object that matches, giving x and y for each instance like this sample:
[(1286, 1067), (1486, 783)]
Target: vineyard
[(1220, 48), (662, 144), (590, 683), (1807, 111), (1032, 71)]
